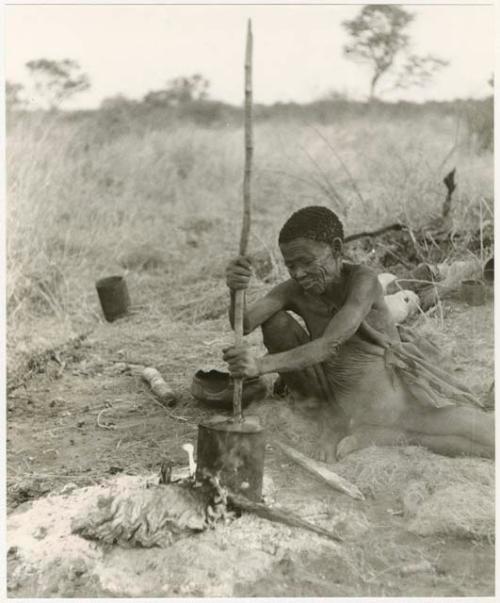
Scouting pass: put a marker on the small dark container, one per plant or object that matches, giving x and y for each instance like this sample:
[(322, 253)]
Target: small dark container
[(489, 270), (113, 295), (473, 292), (235, 452), (215, 388)]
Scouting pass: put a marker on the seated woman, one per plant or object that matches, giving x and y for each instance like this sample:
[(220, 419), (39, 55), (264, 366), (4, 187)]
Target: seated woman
[(376, 388)]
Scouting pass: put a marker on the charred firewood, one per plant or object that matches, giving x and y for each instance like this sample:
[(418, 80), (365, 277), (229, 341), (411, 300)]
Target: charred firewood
[(375, 233), (449, 182)]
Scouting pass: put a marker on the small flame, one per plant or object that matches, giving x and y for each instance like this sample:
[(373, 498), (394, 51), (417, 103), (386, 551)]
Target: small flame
[(189, 448)]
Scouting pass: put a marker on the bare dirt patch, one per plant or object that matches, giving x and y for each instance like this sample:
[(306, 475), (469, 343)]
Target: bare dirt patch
[(58, 456)]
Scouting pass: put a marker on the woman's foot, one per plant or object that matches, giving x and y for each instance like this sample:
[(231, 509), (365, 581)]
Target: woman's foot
[(347, 445), (327, 450), (371, 435)]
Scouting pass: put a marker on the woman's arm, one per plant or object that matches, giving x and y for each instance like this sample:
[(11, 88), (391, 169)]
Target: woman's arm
[(257, 313), (238, 275), (363, 291)]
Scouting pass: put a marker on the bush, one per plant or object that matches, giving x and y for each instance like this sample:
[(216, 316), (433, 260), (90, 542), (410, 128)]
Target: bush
[(479, 120)]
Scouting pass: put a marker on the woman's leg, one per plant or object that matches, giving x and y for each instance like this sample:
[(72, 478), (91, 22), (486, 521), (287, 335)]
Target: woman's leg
[(282, 332), (371, 435), (382, 412), (451, 445), (448, 445), (472, 425)]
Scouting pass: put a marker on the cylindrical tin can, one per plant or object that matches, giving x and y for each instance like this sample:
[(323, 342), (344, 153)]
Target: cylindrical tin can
[(473, 292), (234, 451), (114, 297), (489, 270)]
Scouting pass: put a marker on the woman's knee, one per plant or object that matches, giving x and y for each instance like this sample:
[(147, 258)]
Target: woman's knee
[(282, 332)]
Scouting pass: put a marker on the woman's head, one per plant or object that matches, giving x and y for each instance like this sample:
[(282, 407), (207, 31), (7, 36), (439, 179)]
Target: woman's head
[(311, 242), (316, 223)]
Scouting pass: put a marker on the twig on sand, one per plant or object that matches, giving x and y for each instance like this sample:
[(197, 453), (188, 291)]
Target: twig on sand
[(102, 425), (321, 471), (153, 398), (169, 413)]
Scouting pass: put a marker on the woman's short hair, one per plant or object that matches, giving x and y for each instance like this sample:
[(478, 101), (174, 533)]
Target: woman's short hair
[(313, 222)]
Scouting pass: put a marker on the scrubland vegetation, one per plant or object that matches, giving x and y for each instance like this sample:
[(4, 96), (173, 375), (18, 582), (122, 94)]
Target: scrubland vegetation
[(156, 193), (152, 190)]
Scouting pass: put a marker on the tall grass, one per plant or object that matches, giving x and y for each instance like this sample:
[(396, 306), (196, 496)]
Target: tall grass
[(164, 206)]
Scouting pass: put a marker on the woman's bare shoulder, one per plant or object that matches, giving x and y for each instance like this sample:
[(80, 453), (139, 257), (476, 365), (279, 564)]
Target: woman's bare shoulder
[(287, 294), (288, 290), (359, 272), (361, 284)]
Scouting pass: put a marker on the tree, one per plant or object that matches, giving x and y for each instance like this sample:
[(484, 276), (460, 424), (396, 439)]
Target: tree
[(379, 39), (57, 81), (417, 71), (186, 89), (180, 90), (13, 95), (117, 102)]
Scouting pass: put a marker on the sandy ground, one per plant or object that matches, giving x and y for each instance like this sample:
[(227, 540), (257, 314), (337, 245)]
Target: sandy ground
[(395, 542)]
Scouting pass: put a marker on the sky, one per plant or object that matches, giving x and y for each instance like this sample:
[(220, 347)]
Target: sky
[(133, 49)]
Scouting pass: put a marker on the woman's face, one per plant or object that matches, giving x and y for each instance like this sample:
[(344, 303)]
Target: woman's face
[(312, 264)]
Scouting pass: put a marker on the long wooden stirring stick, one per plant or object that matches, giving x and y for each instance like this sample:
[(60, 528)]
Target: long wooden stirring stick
[(239, 298)]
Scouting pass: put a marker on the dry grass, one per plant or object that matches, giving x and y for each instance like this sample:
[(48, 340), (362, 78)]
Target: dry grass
[(392, 469), (437, 495), (164, 207), (466, 510)]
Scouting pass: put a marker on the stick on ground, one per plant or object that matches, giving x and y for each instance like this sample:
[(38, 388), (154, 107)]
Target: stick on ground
[(283, 516), (322, 472)]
